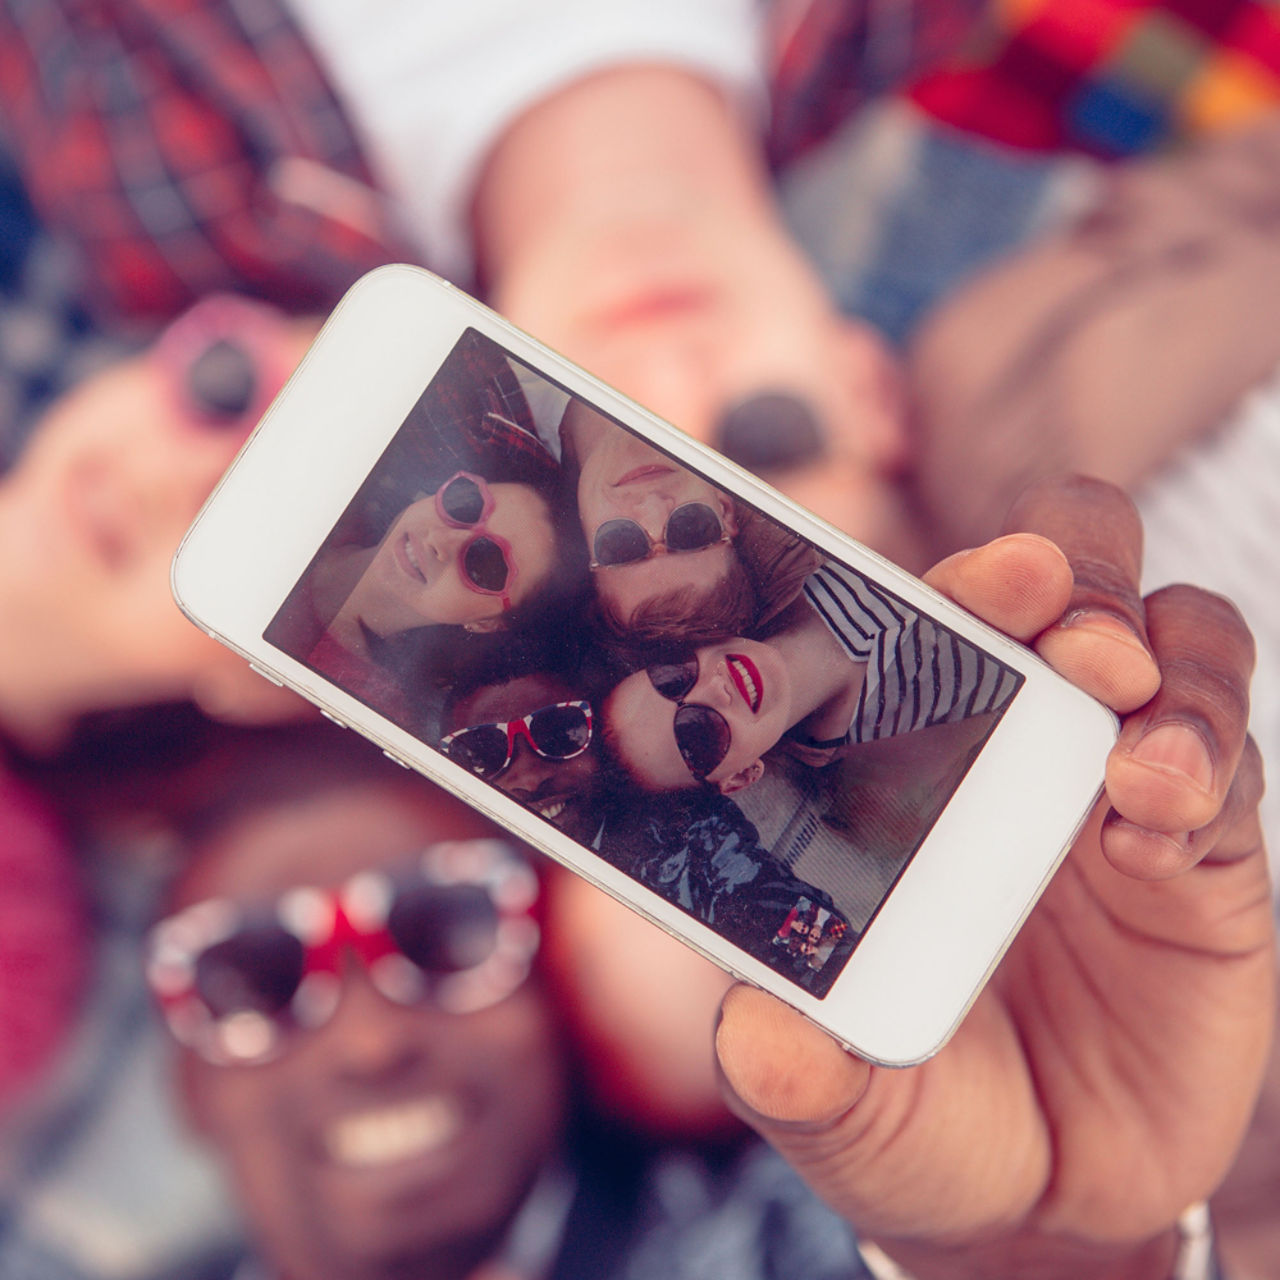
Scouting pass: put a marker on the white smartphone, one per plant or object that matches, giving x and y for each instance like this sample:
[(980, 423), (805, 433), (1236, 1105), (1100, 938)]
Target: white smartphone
[(772, 743)]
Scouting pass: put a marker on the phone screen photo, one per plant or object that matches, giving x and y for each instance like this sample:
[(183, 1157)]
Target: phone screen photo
[(750, 728)]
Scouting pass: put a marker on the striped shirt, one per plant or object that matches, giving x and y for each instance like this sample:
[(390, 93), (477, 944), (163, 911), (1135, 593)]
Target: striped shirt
[(918, 673)]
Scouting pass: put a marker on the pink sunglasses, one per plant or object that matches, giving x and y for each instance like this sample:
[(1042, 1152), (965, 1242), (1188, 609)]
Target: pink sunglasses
[(488, 565)]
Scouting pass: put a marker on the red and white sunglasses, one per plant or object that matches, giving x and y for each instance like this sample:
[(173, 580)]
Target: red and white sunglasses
[(453, 927)]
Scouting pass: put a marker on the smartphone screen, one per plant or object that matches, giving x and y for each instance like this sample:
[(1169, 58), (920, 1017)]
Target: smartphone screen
[(754, 730)]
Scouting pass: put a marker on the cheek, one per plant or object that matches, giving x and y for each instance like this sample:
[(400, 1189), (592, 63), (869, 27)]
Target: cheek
[(251, 1123), (450, 601), (533, 1071)]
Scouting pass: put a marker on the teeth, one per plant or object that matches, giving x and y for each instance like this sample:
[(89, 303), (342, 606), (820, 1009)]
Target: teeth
[(411, 556), (391, 1134), (753, 694), (551, 809)]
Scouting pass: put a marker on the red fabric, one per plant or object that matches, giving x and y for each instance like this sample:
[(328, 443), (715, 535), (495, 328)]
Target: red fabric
[(44, 941), (841, 53), (1109, 77), (152, 133)]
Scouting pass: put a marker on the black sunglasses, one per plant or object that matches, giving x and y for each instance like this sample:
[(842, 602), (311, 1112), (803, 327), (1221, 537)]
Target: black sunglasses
[(694, 526), (560, 731), (703, 735)]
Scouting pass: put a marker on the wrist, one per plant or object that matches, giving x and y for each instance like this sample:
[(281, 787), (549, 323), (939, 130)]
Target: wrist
[(1036, 1258)]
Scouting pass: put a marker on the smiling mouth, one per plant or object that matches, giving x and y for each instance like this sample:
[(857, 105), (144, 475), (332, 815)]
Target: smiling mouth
[(406, 557), (746, 676), (393, 1134), (546, 804)]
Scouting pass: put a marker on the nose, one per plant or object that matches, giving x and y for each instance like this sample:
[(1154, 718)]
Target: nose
[(715, 686), (650, 511), (527, 770), (369, 1037), (445, 541)]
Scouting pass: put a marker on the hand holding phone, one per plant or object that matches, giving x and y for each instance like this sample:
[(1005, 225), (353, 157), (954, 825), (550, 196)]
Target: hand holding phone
[(1101, 1083)]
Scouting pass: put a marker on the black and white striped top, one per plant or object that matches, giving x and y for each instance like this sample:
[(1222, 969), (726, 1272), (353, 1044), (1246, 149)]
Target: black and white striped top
[(918, 673)]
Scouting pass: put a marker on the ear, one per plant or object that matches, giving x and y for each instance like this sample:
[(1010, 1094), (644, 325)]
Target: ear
[(743, 778), (728, 515)]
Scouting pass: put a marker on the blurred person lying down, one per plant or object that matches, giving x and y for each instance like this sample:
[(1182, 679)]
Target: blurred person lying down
[(93, 510)]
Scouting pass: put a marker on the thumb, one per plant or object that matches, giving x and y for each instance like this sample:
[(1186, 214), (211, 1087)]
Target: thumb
[(780, 1072)]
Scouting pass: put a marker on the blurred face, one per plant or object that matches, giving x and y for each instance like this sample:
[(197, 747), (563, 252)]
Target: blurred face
[(427, 569), (562, 791), (393, 1139), (743, 682), (625, 478), (94, 509)]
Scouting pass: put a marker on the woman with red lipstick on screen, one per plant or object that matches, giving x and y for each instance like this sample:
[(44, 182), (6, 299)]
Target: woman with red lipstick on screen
[(845, 664)]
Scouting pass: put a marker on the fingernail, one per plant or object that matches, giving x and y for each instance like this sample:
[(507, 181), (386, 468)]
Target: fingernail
[(1104, 624), (1176, 748)]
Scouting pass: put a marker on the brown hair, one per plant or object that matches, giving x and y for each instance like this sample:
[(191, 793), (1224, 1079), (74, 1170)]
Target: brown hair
[(689, 615)]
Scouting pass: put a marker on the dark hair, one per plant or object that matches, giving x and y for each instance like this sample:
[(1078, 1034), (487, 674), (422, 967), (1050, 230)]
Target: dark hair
[(428, 657), (687, 615)]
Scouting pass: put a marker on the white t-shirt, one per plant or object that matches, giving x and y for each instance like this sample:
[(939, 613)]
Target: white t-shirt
[(430, 86), (918, 674), (1213, 519)]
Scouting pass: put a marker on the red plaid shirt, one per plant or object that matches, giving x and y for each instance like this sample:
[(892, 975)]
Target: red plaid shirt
[(186, 147), (832, 56)]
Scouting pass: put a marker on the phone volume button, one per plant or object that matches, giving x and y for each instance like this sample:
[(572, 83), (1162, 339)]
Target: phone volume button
[(391, 755), (266, 675), (328, 715)]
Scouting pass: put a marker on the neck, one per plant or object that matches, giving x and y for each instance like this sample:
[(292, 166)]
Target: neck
[(825, 681)]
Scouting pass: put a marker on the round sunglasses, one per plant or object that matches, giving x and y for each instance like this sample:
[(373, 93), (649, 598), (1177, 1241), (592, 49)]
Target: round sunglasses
[(223, 361), (487, 562), (452, 928), (693, 526), (703, 736), (560, 731)]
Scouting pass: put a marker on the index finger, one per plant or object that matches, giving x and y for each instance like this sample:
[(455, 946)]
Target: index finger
[(1183, 771), (1100, 642)]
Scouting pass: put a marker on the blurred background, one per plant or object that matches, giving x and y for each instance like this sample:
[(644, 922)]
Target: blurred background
[(903, 258)]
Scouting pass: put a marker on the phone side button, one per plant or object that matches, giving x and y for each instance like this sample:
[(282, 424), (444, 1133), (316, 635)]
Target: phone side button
[(266, 675), (392, 756), (328, 715)]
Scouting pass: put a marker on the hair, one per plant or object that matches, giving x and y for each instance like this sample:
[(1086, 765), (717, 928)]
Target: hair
[(618, 780), (687, 615), (246, 770), (424, 659)]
